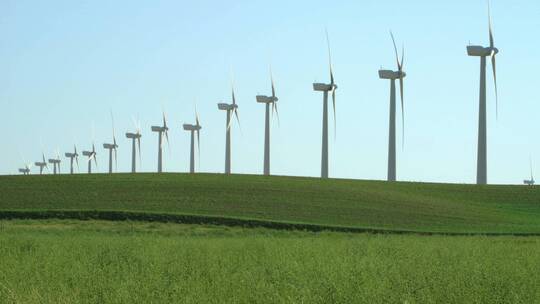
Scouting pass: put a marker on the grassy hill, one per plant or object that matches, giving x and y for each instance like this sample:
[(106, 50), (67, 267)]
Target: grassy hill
[(345, 203)]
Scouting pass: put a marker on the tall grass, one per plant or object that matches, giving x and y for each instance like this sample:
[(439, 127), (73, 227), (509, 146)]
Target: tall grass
[(130, 262)]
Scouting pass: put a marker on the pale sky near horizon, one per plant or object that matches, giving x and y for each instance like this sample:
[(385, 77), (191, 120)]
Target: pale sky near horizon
[(64, 65)]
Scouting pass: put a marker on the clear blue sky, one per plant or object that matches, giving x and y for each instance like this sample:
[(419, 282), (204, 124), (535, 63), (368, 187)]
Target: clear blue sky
[(65, 64)]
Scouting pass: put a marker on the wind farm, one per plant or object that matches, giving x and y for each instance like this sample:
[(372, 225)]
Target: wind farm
[(388, 205)]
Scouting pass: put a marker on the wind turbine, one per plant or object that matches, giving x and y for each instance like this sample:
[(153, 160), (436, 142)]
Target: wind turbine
[(135, 137), (72, 156), (483, 52), (56, 163), (268, 100), (530, 182), (230, 108), (161, 130), (91, 156), (112, 147), (325, 88), (393, 75), (26, 169), (194, 129), (41, 164)]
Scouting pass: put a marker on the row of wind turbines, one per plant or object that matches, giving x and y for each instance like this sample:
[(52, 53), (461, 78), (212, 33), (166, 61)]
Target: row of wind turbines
[(270, 103)]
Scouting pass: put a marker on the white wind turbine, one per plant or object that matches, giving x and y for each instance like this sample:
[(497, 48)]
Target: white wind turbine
[(92, 155), (73, 156), (26, 169), (42, 164), (230, 108), (483, 52), (112, 147), (135, 137), (392, 76), (161, 130), (268, 100), (530, 182), (56, 163), (325, 88), (194, 130)]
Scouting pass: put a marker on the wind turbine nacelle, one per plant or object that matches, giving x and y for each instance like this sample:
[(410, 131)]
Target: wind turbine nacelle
[(86, 153), (528, 182), (188, 127), (480, 51), (322, 87), (54, 161), (69, 154), (110, 146), (226, 106), (389, 74), (157, 129), (266, 99), (40, 164), (24, 170)]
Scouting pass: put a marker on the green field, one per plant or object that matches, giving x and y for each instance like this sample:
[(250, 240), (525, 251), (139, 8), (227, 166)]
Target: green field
[(158, 245), (346, 203), (132, 262)]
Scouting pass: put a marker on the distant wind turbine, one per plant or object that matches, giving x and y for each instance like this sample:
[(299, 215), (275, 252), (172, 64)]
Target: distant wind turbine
[(163, 130), (73, 156), (393, 75), (56, 163), (230, 108), (268, 100), (42, 164), (135, 137), (530, 182), (194, 130), (26, 169), (112, 147), (325, 88), (92, 155), (483, 52)]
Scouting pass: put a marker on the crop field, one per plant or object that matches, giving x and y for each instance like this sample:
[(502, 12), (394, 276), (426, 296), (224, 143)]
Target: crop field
[(68, 261), (375, 205), (207, 238)]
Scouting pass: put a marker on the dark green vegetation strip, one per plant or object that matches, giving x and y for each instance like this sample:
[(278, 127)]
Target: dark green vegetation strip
[(64, 261), (279, 202), (212, 220)]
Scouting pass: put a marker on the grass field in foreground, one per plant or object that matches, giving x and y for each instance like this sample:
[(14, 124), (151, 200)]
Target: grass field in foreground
[(351, 203), (131, 262)]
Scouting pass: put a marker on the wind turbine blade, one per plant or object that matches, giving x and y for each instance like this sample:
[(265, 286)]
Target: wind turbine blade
[(491, 42), (237, 119), (274, 108), (233, 97), (493, 65), (395, 50), (329, 57), (272, 81)]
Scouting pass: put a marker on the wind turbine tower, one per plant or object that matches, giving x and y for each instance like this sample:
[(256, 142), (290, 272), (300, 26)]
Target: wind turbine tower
[(268, 101), (325, 88), (230, 108), (483, 52), (161, 130), (393, 76), (194, 130)]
